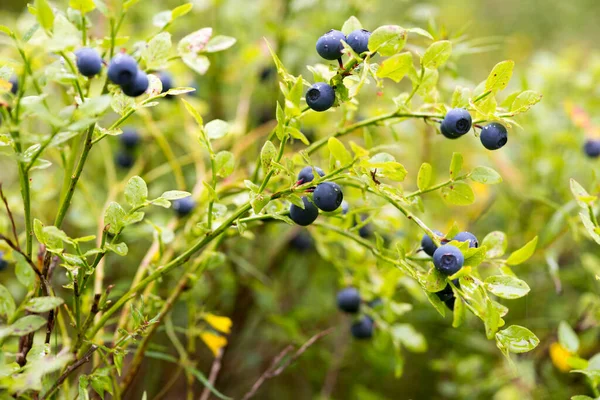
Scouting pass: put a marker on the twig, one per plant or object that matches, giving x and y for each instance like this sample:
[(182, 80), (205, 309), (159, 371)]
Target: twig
[(10, 216), (86, 358), (275, 369), (214, 372)]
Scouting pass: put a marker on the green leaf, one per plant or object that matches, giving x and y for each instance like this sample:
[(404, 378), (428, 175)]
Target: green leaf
[(485, 175), (43, 304), (224, 163), (491, 319), (7, 303), (524, 101), (83, 6), (567, 337), (181, 10), (351, 25), (82, 388), (461, 97), (456, 165), (424, 176), (421, 32), (506, 286), (114, 216), (174, 195), (216, 129), (460, 313), (459, 194), (193, 112), (589, 226), (25, 275), (136, 191), (338, 151), (584, 199), (191, 45), (437, 54), (267, 154), (500, 76), (410, 338), (219, 43), (120, 249), (495, 243), (396, 67), (27, 324), (523, 254), (45, 15), (156, 53), (258, 201), (516, 339), (387, 40), (65, 35)]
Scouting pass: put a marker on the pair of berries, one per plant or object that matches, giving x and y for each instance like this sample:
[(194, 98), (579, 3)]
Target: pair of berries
[(123, 70), (327, 196), (458, 121), (348, 300), (448, 259), (129, 140)]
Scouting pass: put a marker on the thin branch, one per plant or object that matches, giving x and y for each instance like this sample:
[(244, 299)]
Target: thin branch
[(214, 372), (276, 369), (10, 216), (86, 358)]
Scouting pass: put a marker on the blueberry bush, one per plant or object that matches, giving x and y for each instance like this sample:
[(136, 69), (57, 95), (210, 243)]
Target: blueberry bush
[(188, 215)]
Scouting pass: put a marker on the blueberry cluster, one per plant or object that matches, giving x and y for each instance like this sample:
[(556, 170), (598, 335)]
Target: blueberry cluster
[(327, 196), (591, 148), (3, 262), (123, 70), (129, 140), (349, 301), (458, 122), (321, 95)]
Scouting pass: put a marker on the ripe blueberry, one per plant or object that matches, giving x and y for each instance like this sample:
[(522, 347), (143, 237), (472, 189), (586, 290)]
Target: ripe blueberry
[(348, 300), (493, 136), (184, 206), (467, 236), (124, 159), (306, 174), (138, 86), (329, 46), (122, 69), (3, 262), (306, 216), (456, 123), (592, 148), (302, 241), (130, 138), (15, 84), (320, 96), (365, 231), (450, 303), (167, 81), (446, 293), (328, 196), (89, 62), (363, 328), (359, 40), (428, 245), (448, 259)]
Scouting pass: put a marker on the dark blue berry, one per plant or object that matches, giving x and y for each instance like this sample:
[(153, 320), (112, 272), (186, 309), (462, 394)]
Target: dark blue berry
[(122, 69), (167, 81), (359, 40), (348, 300), (447, 293), (450, 303), (138, 86), (493, 136), (467, 236), (15, 84), (124, 159), (363, 328), (428, 245), (302, 241), (329, 46), (456, 123), (306, 216), (448, 259), (592, 148), (3, 262), (306, 174), (266, 73), (320, 96), (184, 206), (89, 62), (130, 138), (328, 196)]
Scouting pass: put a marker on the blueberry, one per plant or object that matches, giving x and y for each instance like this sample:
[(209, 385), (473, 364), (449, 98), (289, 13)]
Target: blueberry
[(456, 123), (184, 206), (89, 62), (450, 303), (359, 40), (122, 69), (348, 300), (124, 159), (15, 84), (130, 138), (328, 196), (302, 241), (3, 262), (363, 328), (138, 86), (266, 73), (306, 174), (447, 293), (428, 245), (467, 236), (329, 46), (345, 207), (448, 259), (167, 82), (320, 96), (365, 231), (306, 216), (592, 148), (493, 136)]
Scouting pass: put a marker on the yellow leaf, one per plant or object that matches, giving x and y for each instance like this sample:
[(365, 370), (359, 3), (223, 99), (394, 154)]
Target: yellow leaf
[(214, 342), (222, 324), (559, 356)]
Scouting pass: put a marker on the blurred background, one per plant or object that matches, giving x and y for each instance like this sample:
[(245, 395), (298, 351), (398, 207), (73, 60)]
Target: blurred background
[(277, 291)]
